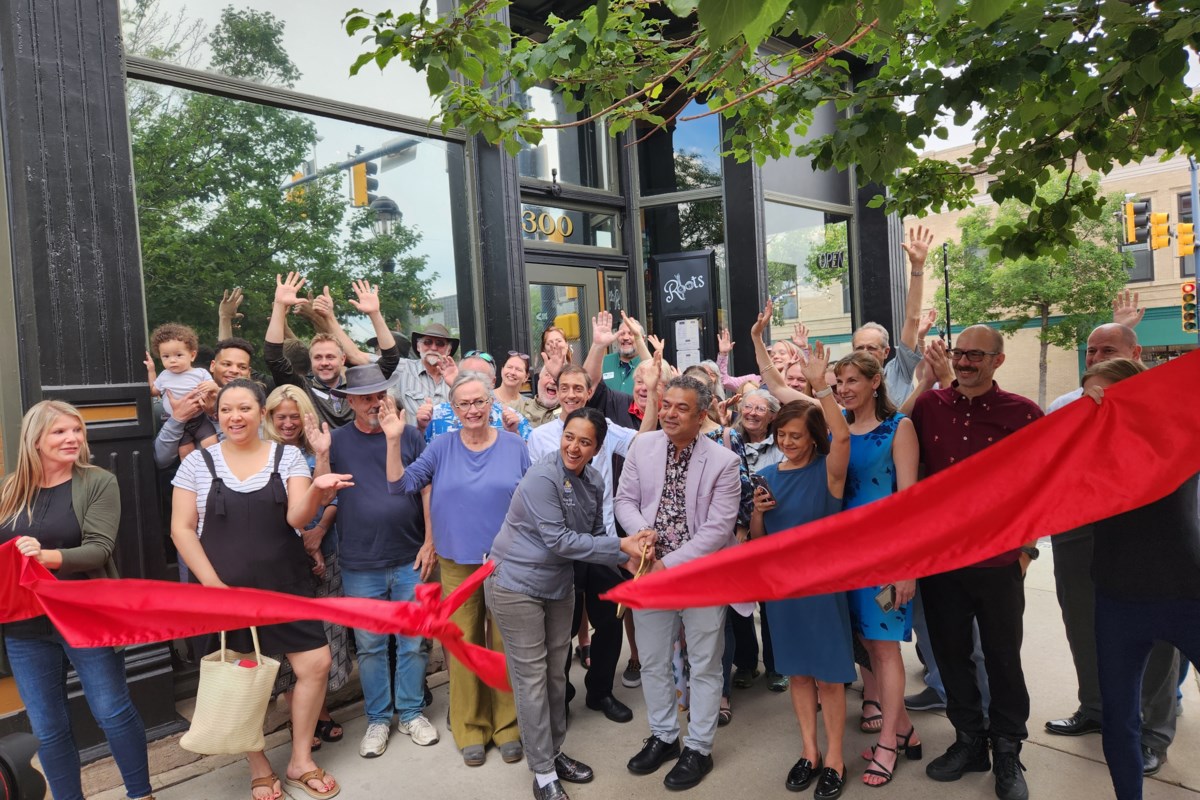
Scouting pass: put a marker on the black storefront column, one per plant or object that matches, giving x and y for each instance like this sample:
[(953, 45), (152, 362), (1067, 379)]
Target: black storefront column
[(879, 276), (501, 253), (746, 256), (77, 282)]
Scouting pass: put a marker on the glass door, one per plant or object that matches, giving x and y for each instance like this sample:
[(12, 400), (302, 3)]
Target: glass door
[(566, 298)]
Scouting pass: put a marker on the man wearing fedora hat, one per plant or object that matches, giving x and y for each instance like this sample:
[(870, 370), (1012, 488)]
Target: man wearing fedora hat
[(386, 550), (427, 380)]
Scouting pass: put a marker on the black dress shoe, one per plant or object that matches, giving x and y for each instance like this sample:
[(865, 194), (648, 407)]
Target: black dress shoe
[(830, 784), (652, 755), (689, 770), (1152, 760), (552, 791), (572, 771), (801, 775), (1075, 725), (613, 708)]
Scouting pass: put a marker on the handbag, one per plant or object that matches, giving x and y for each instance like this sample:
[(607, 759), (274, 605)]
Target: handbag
[(231, 701)]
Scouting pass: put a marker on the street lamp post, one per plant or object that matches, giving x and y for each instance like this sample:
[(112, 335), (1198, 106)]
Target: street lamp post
[(387, 214)]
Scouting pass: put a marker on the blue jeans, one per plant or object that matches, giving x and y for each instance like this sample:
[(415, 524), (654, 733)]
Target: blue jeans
[(39, 668), (383, 696)]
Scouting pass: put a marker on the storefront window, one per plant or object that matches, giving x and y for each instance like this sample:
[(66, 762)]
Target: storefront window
[(684, 155), (294, 44), (577, 156), (808, 269), (685, 227), (219, 207)]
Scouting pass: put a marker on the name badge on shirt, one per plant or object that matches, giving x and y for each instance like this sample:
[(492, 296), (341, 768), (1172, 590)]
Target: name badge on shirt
[(568, 495), (608, 375)]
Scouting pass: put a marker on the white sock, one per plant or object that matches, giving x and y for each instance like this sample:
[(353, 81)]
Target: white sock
[(544, 779)]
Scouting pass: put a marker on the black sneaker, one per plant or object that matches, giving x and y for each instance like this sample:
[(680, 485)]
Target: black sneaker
[(1007, 767), (967, 754)]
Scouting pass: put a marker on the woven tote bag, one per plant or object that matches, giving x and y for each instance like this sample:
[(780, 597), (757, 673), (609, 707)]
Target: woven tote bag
[(231, 701)]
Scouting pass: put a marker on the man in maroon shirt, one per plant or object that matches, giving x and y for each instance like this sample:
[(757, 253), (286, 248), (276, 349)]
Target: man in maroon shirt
[(953, 424)]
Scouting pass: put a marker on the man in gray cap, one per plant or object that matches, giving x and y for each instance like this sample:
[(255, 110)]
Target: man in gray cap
[(426, 381), (386, 549)]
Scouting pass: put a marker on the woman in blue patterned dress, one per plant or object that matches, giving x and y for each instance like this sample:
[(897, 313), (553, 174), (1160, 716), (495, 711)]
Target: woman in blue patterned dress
[(812, 637), (883, 459)]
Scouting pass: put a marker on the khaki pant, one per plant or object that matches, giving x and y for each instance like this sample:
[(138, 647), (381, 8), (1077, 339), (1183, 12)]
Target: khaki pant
[(479, 714)]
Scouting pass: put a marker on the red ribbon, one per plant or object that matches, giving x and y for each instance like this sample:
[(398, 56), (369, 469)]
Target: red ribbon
[(101, 613), (1073, 467)]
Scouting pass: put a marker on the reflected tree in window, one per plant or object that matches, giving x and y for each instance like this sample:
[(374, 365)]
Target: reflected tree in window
[(211, 210)]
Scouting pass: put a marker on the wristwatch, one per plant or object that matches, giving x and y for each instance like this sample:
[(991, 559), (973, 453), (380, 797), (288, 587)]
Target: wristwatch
[(1032, 552)]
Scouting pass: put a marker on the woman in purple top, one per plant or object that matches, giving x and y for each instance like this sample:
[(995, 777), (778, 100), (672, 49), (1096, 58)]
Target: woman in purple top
[(473, 472)]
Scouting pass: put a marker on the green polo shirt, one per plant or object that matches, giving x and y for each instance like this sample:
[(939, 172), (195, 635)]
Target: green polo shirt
[(618, 375)]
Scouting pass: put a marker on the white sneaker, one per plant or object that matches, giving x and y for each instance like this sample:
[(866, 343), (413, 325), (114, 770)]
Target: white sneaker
[(420, 729), (375, 740)]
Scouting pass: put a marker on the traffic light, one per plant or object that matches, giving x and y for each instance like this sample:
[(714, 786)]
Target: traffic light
[(1185, 238), (1137, 222), (1187, 306), (296, 193), (362, 183), (18, 779), (1160, 230)]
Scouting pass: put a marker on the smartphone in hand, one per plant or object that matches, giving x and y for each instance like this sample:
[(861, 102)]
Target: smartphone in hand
[(759, 482)]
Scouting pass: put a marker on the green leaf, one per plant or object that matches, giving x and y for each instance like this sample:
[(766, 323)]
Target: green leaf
[(364, 58), (436, 79), (681, 8), (726, 19), (601, 14), (472, 70), (356, 24), (985, 12), (768, 16)]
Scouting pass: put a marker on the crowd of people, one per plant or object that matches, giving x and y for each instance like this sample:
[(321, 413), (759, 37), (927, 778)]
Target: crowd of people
[(363, 474)]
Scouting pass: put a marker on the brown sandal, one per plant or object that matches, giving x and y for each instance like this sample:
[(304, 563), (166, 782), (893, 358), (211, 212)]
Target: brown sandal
[(265, 782), (317, 774)]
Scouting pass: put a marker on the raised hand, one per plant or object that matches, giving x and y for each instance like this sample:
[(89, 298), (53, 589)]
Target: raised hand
[(331, 482), (938, 362), (151, 373), (287, 290), (815, 365), (634, 326), (724, 342), (656, 371), (322, 304), (603, 334), (424, 414), (1125, 309), (391, 418), (448, 369), (763, 320), (917, 247), (553, 361), (926, 322), (317, 434), (228, 308), (800, 336), (511, 420), (368, 297), (657, 345)]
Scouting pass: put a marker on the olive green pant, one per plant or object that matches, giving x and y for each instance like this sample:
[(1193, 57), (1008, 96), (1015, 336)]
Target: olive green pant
[(479, 714)]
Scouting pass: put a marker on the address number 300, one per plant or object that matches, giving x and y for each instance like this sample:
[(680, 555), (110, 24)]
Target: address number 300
[(532, 222)]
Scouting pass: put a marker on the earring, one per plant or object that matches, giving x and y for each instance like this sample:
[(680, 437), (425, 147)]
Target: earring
[(875, 393)]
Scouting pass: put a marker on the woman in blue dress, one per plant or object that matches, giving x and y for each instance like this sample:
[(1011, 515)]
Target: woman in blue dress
[(883, 459), (812, 639)]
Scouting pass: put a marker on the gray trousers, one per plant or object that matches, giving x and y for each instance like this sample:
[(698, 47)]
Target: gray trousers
[(1077, 599), (537, 639), (704, 631)]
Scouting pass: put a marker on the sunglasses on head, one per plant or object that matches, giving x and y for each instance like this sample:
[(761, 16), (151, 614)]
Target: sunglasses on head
[(522, 356), (480, 354)]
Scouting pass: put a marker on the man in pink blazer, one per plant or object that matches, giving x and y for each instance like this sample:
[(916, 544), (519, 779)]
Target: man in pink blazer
[(685, 488)]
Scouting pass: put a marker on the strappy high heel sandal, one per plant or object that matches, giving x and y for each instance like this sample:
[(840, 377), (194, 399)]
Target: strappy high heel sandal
[(912, 752), (882, 772)]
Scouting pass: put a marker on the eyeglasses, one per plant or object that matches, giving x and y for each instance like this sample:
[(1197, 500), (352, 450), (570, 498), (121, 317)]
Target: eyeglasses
[(480, 354), (519, 355), (474, 405), (429, 341), (756, 409), (974, 356)]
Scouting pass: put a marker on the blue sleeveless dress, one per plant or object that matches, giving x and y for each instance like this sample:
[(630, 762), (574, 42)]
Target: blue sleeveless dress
[(810, 635), (871, 476)]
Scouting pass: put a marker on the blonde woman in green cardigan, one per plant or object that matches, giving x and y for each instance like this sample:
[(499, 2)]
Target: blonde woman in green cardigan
[(64, 513)]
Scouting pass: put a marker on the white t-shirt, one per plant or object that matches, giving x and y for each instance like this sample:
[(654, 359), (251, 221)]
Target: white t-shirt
[(193, 475), (545, 441), (1066, 399)]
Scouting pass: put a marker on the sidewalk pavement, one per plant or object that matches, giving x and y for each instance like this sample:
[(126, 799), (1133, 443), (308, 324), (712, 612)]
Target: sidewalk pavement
[(752, 755)]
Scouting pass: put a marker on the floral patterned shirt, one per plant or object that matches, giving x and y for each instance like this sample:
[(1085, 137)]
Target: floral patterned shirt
[(671, 520)]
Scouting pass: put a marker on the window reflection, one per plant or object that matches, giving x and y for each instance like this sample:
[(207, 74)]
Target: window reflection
[(684, 155), (577, 156), (230, 193), (808, 268), (306, 34)]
